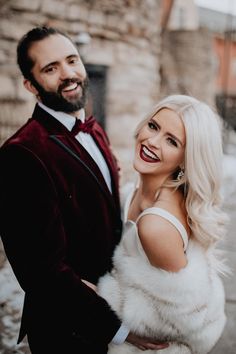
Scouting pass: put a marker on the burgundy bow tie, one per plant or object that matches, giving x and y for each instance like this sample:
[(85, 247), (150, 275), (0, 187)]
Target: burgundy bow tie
[(85, 127)]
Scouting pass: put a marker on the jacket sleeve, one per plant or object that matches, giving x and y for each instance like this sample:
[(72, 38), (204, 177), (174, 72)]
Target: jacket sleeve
[(35, 242)]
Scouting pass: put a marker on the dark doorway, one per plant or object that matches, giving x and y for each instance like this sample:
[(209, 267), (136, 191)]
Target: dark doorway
[(97, 92)]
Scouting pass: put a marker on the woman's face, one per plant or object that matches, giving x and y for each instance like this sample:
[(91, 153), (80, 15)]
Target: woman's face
[(160, 144)]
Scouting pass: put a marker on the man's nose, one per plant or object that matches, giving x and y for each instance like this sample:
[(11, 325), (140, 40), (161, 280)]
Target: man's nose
[(67, 72)]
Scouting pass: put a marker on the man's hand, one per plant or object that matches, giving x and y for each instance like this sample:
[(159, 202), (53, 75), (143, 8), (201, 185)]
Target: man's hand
[(145, 343), (92, 286)]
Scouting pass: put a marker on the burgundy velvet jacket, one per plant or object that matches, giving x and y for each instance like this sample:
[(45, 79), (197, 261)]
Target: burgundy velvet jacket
[(59, 224)]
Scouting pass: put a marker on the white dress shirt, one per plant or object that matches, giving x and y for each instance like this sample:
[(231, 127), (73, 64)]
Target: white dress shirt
[(84, 139), (89, 144)]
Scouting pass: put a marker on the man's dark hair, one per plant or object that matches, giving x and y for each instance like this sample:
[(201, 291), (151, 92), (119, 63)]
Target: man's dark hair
[(36, 34)]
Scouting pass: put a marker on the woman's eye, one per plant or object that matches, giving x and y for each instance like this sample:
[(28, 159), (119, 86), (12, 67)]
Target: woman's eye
[(172, 142), (152, 125)]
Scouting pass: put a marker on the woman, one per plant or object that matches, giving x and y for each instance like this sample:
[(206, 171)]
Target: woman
[(165, 282)]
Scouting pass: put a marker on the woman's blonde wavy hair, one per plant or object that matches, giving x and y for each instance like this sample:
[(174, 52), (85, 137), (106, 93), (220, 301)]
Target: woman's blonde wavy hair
[(202, 165)]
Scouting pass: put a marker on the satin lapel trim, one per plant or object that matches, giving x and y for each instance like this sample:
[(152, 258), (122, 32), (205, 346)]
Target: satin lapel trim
[(76, 157), (99, 139)]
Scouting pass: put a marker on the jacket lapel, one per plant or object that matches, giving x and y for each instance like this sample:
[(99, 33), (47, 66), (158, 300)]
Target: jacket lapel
[(76, 156), (103, 142), (63, 138)]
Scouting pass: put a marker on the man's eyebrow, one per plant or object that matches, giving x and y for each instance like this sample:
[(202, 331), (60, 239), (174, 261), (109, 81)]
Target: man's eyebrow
[(72, 56)]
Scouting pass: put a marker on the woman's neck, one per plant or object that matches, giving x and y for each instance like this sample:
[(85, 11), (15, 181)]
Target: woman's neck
[(146, 195), (149, 187)]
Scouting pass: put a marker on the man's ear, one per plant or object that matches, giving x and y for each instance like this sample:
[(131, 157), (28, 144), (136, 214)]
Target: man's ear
[(30, 87)]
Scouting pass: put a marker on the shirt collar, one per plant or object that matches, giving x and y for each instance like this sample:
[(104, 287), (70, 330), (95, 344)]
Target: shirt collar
[(66, 119)]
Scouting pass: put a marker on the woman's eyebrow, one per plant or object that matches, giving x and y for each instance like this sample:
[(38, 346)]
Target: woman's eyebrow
[(168, 133)]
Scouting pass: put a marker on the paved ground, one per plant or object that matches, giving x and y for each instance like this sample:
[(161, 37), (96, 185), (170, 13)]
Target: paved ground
[(11, 296), (227, 343)]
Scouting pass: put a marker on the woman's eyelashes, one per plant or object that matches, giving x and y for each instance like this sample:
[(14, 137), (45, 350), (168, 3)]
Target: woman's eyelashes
[(154, 126), (172, 142)]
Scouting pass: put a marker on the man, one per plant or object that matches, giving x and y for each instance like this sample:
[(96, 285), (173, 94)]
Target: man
[(59, 205)]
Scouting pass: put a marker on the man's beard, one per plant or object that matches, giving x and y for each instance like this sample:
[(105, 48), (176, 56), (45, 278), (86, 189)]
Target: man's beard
[(56, 101)]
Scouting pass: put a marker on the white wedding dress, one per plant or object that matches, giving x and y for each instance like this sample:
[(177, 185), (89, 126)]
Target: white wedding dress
[(185, 308)]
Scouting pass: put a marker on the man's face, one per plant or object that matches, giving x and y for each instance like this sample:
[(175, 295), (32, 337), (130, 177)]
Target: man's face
[(59, 77)]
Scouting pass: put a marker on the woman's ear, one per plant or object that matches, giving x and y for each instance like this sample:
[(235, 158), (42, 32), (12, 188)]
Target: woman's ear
[(30, 87)]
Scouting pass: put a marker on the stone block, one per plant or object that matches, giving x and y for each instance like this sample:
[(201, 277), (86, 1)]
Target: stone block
[(113, 21), (12, 29), (7, 88), (25, 5), (104, 33), (21, 93), (54, 9), (3, 56), (99, 52), (97, 18), (76, 12)]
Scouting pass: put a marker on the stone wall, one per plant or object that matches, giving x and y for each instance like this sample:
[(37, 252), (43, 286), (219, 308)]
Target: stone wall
[(143, 64), (124, 37), (188, 64)]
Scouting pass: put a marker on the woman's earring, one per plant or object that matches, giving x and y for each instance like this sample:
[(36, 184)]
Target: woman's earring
[(180, 175)]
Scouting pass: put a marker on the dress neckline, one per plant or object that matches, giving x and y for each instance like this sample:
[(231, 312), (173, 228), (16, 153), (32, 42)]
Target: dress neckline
[(158, 211)]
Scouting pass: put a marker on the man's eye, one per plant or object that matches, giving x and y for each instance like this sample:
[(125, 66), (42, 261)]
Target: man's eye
[(49, 70), (74, 61)]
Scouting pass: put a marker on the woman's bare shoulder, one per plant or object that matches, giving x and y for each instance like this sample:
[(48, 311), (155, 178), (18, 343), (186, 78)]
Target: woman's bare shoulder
[(161, 242), (173, 202)]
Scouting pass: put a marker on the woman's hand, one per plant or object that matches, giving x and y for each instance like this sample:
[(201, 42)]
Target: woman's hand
[(145, 343)]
